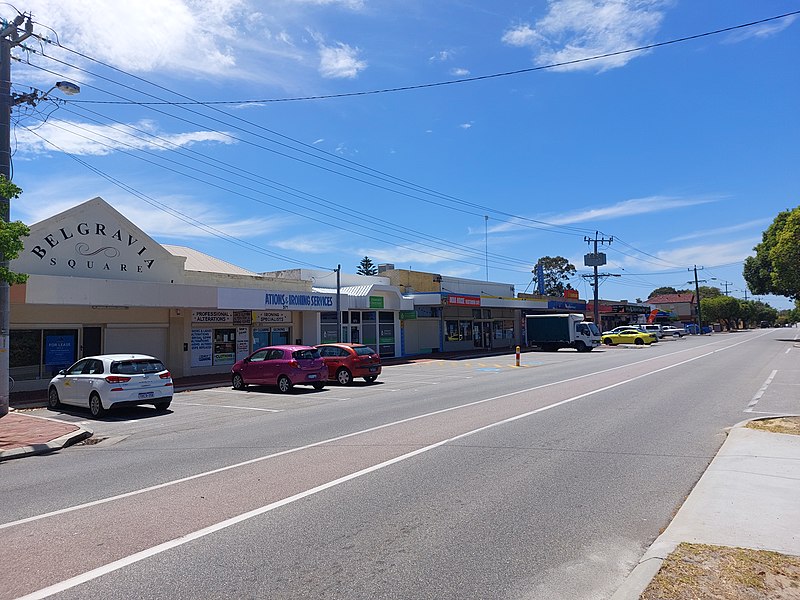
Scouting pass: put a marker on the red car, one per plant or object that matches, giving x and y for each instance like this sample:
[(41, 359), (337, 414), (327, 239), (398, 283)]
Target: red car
[(284, 366), (346, 361)]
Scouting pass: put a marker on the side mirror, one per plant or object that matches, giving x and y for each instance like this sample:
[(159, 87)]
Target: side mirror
[(62, 372)]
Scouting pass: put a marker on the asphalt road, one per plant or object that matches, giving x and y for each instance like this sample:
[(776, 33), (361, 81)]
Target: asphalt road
[(447, 479)]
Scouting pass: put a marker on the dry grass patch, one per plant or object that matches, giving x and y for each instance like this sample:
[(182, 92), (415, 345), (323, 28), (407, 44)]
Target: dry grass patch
[(700, 571), (778, 425)]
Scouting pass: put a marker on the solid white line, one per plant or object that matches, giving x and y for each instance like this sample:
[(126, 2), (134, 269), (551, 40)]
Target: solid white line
[(200, 533), (760, 392), (355, 433), (788, 350), (226, 406)]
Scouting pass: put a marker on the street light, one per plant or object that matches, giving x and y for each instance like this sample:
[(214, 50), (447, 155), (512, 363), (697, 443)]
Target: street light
[(10, 37)]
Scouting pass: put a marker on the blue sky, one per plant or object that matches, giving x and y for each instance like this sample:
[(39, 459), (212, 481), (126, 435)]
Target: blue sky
[(683, 153)]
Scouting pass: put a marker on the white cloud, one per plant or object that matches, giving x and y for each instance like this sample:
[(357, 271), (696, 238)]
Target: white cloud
[(311, 244), (441, 56), (707, 233), (459, 72), (466, 125), (626, 208), (764, 30), (98, 140), (350, 4), (340, 62), (576, 29)]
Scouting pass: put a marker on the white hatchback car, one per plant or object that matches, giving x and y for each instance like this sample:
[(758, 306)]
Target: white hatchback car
[(103, 382)]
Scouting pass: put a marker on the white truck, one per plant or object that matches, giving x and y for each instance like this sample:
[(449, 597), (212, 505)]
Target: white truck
[(551, 332)]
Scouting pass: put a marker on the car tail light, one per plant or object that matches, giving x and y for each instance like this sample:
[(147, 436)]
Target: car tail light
[(165, 375), (117, 379), (294, 364)]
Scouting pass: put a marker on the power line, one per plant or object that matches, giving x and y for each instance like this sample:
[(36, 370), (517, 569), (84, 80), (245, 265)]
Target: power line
[(484, 77)]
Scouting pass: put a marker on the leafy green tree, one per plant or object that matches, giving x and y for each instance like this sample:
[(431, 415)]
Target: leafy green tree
[(557, 271), (11, 234), (752, 312), (663, 290), (724, 309), (707, 291), (775, 269), (367, 267)]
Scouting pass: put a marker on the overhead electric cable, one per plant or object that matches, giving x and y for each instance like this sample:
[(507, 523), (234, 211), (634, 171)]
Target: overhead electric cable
[(549, 66)]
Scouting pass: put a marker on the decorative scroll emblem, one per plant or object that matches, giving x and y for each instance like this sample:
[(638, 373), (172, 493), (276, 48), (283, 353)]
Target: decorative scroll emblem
[(109, 251)]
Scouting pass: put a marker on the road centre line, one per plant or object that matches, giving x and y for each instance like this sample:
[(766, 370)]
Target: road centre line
[(368, 430), (206, 531), (760, 392)]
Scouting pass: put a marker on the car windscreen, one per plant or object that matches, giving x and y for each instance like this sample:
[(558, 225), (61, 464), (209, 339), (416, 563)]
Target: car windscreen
[(593, 328), (309, 354), (364, 350), (136, 367)]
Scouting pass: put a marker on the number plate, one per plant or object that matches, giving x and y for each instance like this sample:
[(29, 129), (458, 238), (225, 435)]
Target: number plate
[(146, 394), (373, 369), (312, 376)]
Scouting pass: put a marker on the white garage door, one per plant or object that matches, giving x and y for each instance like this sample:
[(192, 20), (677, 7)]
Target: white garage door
[(137, 340)]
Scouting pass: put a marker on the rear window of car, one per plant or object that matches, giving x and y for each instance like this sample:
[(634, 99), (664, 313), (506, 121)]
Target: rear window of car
[(309, 354), (135, 367), (364, 351)]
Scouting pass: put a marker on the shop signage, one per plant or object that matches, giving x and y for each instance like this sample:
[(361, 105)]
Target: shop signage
[(212, 316), (298, 301), (573, 294), (578, 306), (376, 301), (201, 347), (271, 316), (408, 315), (242, 317), (458, 300), (242, 343)]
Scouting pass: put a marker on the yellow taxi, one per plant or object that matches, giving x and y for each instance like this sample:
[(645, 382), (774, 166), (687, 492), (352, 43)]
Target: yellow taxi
[(628, 336)]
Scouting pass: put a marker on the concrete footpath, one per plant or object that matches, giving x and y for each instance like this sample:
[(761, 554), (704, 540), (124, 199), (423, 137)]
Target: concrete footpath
[(748, 497)]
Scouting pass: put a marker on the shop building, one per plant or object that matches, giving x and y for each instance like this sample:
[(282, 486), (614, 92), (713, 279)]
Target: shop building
[(99, 284)]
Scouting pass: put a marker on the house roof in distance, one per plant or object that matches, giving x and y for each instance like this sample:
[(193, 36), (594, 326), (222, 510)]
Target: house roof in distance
[(671, 298)]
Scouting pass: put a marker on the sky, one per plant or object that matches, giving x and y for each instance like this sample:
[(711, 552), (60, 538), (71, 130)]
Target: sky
[(460, 137)]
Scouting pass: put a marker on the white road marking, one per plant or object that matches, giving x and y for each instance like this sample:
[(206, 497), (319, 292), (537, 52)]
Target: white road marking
[(376, 428), (144, 554), (760, 392), (788, 350), (272, 410)]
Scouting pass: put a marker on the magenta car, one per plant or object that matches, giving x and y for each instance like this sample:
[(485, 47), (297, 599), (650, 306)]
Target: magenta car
[(284, 366)]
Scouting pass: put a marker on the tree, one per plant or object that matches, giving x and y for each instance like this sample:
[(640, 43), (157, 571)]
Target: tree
[(707, 291), (721, 308), (557, 270), (367, 267), (11, 234), (775, 269), (663, 290), (754, 311)]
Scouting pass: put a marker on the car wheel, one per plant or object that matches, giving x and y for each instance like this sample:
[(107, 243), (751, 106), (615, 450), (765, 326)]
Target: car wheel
[(162, 406), (53, 401), (370, 378), (238, 382), (284, 384), (580, 346), (639, 342), (319, 385), (607, 341), (344, 377), (96, 406)]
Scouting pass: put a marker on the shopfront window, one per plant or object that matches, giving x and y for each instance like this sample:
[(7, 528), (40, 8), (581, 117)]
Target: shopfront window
[(452, 331), (224, 346), (369, 328), (386, 339), (327, 328), (25, 354)]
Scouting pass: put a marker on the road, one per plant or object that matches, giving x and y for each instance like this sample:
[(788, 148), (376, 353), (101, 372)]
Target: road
[(447, 479)]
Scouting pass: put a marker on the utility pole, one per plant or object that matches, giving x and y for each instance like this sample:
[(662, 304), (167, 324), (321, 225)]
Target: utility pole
[(596, 261), (338, 303), (9, 37), (697, 293), (486, 241)]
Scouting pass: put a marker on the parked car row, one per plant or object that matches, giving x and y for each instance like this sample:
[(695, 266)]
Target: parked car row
[(286, 366), (103, 382), (659, 331)]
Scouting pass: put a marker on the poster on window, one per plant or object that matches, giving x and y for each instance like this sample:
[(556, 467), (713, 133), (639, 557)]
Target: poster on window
[(59, 352), (242, 342), (201, 348)]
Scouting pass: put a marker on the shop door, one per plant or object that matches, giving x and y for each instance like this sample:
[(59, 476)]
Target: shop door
[(91, 341), (280, 336)]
